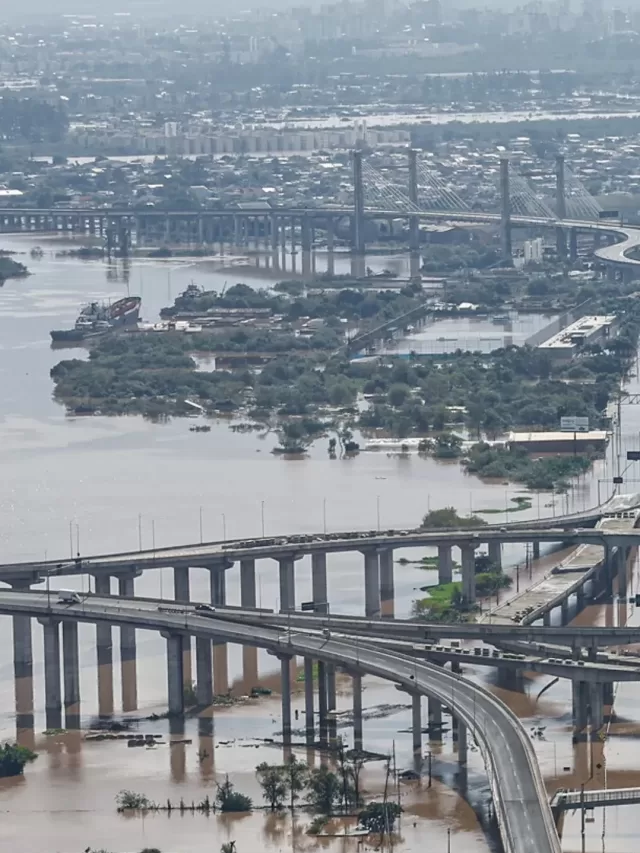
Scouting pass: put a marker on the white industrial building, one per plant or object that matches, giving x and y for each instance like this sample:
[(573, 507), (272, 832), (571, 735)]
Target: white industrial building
[(567, 343)]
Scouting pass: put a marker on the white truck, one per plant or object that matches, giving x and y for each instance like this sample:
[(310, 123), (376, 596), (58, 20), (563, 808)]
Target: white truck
[(68, 596)]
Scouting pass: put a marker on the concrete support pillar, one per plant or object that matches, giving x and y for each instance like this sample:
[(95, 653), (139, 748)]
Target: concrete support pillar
[(221, 669), (536, 550), (621, 567), (580, 701), (71, 675), (505, 210), (610, 569), (561, 243), (596, 696), (285, 680), (218, 586), (511, 679), (462, 745), (435, 719), (495, 554), (323, 707), (371, 584), (23, 671), (358, 243), (204, 672), (248, 601), (52, 685), (247, 583), (608, 693), (305, 233), (468, 560), (573, 244), (182, 593), (565, 616), (561, 206), (175, 673), (546, 619), (330, 248), (414, 221), (287, 584), (181, 586), (331, 703), (356, 682), (319, 582), (445, 564), (416, 727), (309, 721), (104, 653), (128, 651), (387, 590), (580, 599)]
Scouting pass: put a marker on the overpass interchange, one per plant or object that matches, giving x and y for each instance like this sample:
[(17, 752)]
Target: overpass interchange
[(523, 813)]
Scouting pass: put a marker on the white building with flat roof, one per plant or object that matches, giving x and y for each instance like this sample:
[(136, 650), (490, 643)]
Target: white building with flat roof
[(567, 343)]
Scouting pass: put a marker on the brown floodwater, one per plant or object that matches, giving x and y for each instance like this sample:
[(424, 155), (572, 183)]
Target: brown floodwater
[(115, 483)]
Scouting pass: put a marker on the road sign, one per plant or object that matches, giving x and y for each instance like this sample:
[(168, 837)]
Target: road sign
[(609, 214), (574, 424), (308, 605), (633, 455)]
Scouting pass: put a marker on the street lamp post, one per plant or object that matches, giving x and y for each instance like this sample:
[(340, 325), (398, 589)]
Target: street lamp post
[(201, 540), (262, 516)]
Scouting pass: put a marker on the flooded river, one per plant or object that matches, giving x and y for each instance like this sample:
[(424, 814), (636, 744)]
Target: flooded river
[(115, 483)]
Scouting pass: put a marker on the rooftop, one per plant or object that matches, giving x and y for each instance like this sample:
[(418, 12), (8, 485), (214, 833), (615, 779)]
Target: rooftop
[(582, 329)]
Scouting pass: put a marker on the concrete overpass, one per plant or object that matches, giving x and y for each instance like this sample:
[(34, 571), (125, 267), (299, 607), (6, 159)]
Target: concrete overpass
[(269, 228), (519, 795)]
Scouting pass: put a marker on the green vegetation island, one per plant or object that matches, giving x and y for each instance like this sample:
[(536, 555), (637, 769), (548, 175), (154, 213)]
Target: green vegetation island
[(14, 758), (445, 602), (307, 386), (11, 269)]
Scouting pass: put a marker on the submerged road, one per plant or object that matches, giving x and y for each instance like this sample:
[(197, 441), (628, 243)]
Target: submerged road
[(519, 794)]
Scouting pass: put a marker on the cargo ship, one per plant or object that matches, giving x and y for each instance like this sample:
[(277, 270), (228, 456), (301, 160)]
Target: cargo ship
[(97, 318)]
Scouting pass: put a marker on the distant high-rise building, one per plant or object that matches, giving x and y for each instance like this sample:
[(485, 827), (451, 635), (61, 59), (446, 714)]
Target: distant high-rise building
[(593, 10)]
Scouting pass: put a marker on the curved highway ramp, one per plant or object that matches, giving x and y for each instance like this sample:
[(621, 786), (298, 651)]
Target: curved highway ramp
[(519, 795)]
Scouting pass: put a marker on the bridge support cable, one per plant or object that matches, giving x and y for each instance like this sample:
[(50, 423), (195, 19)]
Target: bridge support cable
[(435, 194), (579, 202), (524, 201), (381, 194)]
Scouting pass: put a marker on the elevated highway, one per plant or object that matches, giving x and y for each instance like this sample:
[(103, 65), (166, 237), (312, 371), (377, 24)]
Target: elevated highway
[(15, 219), (297, 546), (524, 817), (417, 631)]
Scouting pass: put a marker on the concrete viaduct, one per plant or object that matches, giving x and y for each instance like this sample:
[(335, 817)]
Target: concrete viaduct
[(273, 229), (523, 813)]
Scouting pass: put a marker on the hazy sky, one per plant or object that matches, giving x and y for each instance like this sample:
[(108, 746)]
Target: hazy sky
[(179, 7)]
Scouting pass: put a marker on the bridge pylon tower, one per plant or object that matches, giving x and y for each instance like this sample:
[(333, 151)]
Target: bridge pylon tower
[(561, 206), (505, 210), (357, 227)]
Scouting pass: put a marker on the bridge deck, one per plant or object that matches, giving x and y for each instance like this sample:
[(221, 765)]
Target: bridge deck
[(558, 584)]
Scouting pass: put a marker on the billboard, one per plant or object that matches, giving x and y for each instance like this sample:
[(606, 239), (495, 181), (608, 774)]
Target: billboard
[(574, 424)]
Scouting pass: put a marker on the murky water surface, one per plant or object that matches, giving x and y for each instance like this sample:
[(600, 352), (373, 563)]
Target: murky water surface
[(115, 483)]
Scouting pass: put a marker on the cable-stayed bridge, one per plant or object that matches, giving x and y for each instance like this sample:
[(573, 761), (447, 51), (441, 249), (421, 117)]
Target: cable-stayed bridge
[(418, 193)]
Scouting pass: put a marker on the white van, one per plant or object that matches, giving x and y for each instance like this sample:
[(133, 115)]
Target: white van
[(68, 596)]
